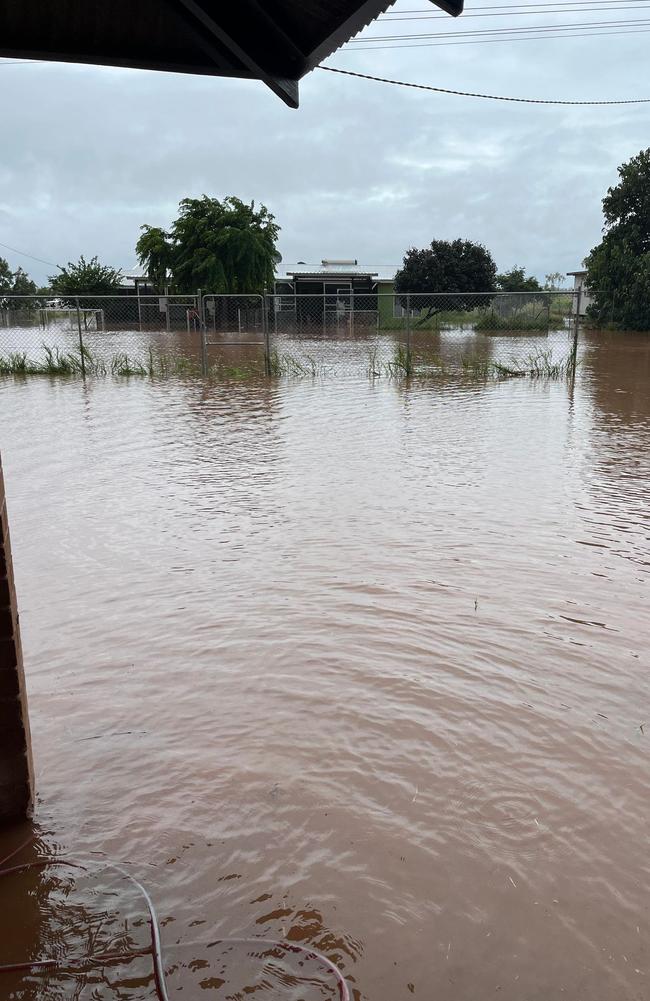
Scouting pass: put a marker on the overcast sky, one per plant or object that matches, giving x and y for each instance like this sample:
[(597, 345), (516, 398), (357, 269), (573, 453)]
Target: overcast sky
[(361, 170)]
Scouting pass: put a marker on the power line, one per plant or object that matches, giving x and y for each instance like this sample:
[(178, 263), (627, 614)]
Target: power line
[(502, 31), (23, 254), (465, 93), (509, 8), (550, 9), (486, 41)]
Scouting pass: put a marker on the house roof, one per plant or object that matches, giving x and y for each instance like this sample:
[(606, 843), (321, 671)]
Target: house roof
[(577, 274), (336, 269), (276, 41)]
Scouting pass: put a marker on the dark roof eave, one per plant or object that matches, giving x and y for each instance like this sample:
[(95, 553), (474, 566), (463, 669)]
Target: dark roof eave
[(203, 37), (362, 17)]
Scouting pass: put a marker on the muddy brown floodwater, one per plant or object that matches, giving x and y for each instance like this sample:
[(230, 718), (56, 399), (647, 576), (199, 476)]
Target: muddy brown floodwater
[(359, 665)]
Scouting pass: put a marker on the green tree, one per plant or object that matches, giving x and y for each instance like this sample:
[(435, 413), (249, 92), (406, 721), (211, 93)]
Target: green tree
[(224, 246), (454, 266), (6, 277), (516, 280), (555, 281), (618, 269), (85, 278), (154, 252), (16, 284)]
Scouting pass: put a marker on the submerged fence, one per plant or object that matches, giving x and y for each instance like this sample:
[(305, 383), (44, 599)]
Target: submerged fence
[(337, 332)]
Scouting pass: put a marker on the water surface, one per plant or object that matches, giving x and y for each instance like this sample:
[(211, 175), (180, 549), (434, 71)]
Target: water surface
[(360, 664)]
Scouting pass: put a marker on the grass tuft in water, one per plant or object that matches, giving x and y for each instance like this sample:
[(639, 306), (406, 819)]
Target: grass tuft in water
[(291, 365), (402, 364), (54, 362)]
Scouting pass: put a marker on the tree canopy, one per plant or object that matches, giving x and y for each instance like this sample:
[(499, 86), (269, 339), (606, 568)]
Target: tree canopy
[(516, 280), (618, 269), (555, 281), (224, 246), (447, 266), (85, 278), (15, 283)]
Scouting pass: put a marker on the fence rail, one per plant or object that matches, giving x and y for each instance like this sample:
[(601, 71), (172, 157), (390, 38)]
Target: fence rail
[(340, 332)]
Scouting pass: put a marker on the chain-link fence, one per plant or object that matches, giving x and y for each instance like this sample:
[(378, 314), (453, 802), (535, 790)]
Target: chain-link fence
[(502, 333), (235, 334), (340, 333)]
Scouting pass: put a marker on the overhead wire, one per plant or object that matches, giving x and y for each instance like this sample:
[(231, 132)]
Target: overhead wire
[(508, 8), (31, 256), (467, 93), (631, 22), (485, 41), (519, 13)]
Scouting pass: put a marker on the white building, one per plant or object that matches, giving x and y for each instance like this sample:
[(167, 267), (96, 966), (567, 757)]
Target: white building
[(586, 298)]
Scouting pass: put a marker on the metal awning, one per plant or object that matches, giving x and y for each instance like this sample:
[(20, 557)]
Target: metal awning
[(276, 41)]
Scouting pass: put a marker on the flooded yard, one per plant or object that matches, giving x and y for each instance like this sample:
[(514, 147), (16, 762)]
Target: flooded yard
[(361, 664)]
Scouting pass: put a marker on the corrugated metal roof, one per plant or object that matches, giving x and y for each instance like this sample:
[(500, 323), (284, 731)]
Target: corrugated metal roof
[(285, 272), (381, 272)]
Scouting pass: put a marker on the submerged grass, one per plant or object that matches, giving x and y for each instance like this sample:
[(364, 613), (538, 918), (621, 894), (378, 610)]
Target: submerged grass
[(538, 365), (492, 323), (294, 366), (55, 362), (403, 364)]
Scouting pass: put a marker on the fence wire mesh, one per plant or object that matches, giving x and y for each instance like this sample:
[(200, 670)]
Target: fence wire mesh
[(100, 334), (337, 333), (386, 333)]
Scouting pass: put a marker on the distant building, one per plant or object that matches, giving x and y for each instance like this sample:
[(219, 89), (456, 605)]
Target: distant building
[(135, 282), (343, 275), (336, 286), (586, 298)]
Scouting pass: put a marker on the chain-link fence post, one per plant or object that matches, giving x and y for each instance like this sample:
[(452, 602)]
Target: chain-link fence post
[(81, 340), (267, 336), (408, 327), (576, 328), (200, 309)]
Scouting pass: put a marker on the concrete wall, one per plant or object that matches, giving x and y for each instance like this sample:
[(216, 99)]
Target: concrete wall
[(16, 773)]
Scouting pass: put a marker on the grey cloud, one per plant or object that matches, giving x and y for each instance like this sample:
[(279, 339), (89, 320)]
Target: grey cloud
[(361, 169)]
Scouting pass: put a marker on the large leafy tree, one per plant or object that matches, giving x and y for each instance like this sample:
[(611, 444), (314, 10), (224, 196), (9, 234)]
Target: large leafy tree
[(224, 246), (516, 280), (452, 266), (85, 278), (618, 269)]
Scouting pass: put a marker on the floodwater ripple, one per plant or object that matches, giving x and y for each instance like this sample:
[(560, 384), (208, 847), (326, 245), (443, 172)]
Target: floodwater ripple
[(358, 665)]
